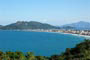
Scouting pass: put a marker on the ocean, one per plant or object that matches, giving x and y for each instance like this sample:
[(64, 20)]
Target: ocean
[(41, 43)]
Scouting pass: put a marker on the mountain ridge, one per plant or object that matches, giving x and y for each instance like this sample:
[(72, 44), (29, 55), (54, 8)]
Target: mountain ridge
[(81, 25), (29, 25)]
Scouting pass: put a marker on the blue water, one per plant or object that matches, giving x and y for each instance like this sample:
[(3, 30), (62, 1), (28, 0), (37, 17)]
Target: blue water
[(41, 43)]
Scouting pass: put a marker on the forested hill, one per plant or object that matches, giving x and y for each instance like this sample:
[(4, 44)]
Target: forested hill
[(80, 52), (29, 25)]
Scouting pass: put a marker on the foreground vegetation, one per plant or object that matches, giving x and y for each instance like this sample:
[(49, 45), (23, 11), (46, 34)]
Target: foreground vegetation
[(80, 52)]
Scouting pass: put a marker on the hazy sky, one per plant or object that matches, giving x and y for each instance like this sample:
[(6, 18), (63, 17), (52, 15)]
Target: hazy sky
[(55, 12)]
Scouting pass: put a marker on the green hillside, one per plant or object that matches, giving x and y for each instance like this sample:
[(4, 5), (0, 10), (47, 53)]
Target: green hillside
[(29, 25)]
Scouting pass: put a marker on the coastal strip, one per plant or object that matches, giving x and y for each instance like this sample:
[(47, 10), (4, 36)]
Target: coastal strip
[(81, 33)]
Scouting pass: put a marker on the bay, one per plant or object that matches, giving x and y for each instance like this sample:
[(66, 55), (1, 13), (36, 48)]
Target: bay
[(41, 43)]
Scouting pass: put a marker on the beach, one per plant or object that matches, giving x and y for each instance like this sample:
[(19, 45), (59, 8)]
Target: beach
[(85, 36)]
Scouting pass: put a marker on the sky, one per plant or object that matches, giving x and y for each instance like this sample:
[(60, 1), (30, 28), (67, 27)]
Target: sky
[(55, 12)]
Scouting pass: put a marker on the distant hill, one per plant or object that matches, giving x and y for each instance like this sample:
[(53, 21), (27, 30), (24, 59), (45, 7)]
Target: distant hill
[(29, 25), (67, 27), (1, 26), (79, 26), (37, 25)]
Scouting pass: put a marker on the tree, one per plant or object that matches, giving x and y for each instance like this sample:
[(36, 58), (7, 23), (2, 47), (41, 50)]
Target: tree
[(41, 58), (30, 56)]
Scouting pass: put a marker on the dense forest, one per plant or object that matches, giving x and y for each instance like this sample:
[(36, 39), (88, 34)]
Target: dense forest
[(80, 52)]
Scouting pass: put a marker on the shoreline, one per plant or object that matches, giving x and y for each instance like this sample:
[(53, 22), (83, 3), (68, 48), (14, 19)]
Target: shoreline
[(85, 36)]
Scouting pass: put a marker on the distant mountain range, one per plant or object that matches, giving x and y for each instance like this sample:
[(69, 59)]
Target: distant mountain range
[(29, 25), (37, 25), (78, 26)]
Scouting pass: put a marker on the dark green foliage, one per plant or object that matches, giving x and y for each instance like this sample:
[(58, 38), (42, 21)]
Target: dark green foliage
[(41, 58), (20, 56), (81, 51)]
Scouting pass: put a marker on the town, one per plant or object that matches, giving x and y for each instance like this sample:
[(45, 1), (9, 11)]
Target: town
[(79, 32)]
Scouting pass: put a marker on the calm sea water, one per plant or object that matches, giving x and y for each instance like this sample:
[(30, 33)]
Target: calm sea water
[(41, 43)]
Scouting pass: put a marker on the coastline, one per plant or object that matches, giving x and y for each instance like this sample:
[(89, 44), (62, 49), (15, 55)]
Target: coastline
[(85, 36)]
